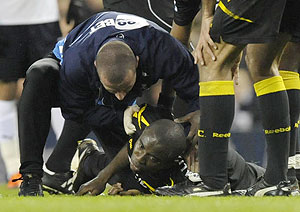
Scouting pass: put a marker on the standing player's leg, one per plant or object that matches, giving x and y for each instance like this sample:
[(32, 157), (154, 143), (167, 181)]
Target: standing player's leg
[(274, 99), (234, 22), (12, 64), (8, 126), (217, 112), (288, 69), (263, 62)]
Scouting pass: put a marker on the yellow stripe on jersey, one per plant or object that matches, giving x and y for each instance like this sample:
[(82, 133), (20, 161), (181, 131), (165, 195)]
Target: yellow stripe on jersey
[(231, 14), (145, 121), (172, 182), (140, 116), (153, 189), (290, 80), (270, 85), (135, 115), (149, 186), (216, 88), (130, 143)]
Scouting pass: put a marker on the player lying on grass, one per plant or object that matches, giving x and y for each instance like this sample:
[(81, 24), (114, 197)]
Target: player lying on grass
[(93, 74), (151, 159)]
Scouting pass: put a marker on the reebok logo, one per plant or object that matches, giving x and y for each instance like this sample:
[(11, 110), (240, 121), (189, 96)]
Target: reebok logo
[(221, 135), (279, 130), (201, 134)]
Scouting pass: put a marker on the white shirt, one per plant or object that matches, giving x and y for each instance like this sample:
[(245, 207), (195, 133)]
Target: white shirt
[(25, 12)]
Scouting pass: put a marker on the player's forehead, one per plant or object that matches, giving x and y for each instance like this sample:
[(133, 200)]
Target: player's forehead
[(148, 136), (151, 143)]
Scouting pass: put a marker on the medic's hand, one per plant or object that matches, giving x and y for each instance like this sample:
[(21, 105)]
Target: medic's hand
[(127, 119), (194, 119)]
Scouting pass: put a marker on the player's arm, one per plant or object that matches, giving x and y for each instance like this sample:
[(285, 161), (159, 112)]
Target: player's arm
[(205, 43), (166, 96), (97, 185), (181, 33), (174, 63)]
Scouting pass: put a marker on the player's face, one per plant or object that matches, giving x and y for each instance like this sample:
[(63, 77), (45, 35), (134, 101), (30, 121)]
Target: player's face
[(148, 154), (122, 89)]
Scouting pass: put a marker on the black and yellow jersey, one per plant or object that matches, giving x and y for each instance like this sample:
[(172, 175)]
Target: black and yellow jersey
[(176, 173)]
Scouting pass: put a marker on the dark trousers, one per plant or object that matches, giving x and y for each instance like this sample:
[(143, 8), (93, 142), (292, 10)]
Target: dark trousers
[(39, 95)]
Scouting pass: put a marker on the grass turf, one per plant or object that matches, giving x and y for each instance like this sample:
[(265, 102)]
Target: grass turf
[(9, 201)]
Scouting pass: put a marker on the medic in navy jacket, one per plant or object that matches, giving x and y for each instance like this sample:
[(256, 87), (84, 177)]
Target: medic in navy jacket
[(82, 96)]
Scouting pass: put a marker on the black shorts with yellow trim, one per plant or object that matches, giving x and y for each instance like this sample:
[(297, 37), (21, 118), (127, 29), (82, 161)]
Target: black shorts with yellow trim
[(247, 21)]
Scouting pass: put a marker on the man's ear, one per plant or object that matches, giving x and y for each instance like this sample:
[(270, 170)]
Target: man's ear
[(137, 61), (95, 63)]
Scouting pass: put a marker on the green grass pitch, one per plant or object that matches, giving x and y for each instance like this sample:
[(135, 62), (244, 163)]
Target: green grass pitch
[(9, 201)]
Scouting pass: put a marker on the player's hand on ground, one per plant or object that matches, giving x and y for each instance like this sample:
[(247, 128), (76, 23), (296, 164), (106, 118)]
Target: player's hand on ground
[(94, 187), (194, 119), (117, 189), (127, 120), (205, 43)]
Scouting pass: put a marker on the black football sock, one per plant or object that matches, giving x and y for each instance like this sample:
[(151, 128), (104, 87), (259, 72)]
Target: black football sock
[(63, 153), (292, 85), (217, 111), (273, 102)]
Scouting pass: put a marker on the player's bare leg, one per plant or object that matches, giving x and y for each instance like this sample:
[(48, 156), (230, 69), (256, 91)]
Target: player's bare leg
[(9, 146)]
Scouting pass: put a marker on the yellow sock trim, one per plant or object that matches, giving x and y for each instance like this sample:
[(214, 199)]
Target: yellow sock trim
[(290, 80), (216, 88), (271, 85)]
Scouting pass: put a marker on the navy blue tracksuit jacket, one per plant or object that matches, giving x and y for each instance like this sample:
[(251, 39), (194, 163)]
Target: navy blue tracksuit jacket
[(82, 96)]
